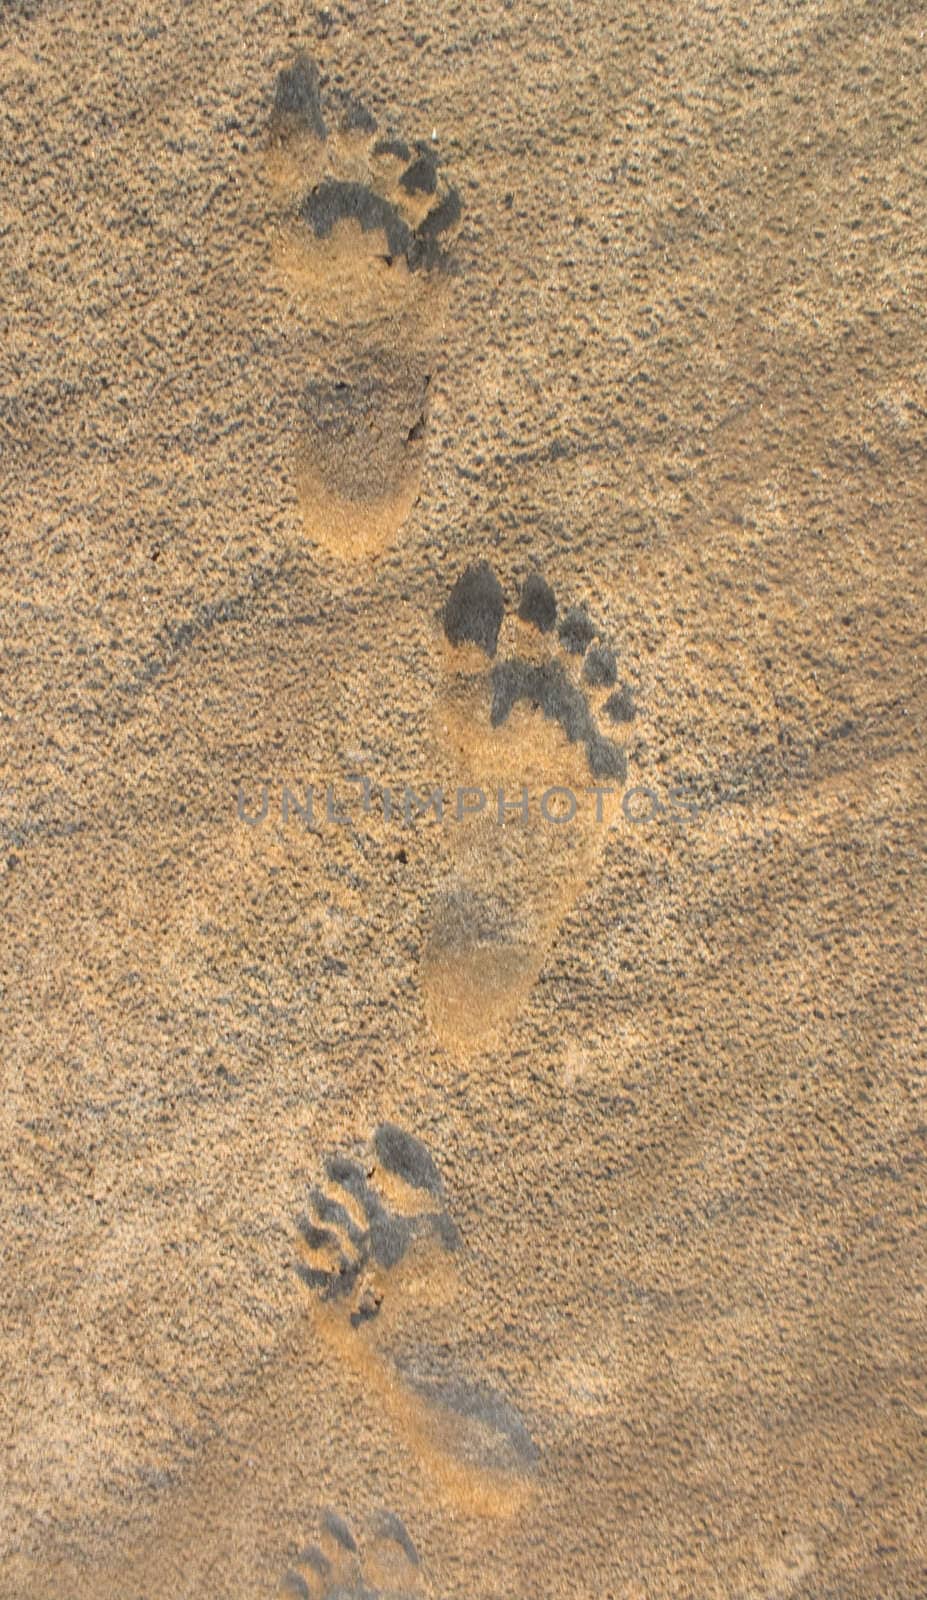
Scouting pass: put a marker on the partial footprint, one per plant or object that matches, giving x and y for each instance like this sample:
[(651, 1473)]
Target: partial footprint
[(362, 230), (543, 720), (384, 1566), (377, 1246), (352, 1238)]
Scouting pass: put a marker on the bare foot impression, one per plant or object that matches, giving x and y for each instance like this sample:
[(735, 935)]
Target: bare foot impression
[(384, 1565), (364, 219), (377, 1245), (531, 714)]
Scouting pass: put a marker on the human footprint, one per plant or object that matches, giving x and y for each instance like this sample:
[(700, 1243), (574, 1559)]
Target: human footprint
[(362, 228), (531, 713), (376, 1247)]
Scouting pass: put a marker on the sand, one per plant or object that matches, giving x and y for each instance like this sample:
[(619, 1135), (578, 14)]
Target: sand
[(422, 405)]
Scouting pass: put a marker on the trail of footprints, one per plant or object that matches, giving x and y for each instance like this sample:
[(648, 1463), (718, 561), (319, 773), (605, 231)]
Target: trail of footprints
[(362, 228), (338, 1566)]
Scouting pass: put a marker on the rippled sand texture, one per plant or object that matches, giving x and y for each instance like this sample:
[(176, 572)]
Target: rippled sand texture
[(462, 397)]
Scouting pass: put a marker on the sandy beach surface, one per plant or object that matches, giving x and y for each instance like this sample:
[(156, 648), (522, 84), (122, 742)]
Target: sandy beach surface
[(463, 473)]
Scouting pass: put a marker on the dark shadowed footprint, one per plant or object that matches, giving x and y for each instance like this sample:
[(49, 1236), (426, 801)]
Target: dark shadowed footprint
[(378, 1247), (530, 700), (382, 1564), (362, 230)]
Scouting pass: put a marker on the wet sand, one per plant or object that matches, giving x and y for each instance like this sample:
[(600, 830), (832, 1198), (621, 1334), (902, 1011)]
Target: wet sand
[(397, 401)]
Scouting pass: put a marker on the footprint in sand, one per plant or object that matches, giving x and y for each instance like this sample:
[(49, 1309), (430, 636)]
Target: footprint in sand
[(363, 224), (337, 1567), (377, 1245), (546, 714)]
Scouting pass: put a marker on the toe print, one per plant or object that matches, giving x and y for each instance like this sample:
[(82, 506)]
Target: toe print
[(600, 667), (474, 614), (537, 604), (351, 1237), (549, 689), (298, 101), (576, 630), (362, 237), (530, 700), (619, 707), (336, 200), (381, 1564), (342, 172), (377, 1247), (475, 608)]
